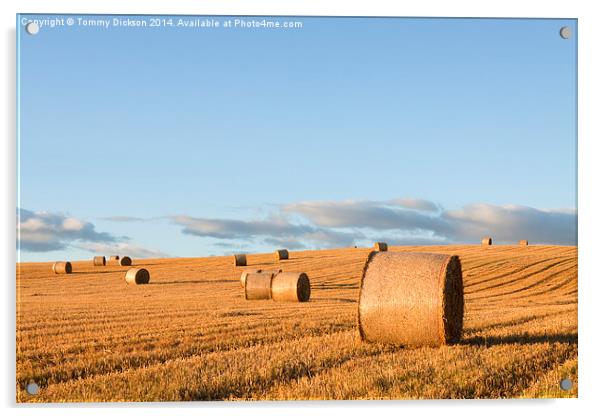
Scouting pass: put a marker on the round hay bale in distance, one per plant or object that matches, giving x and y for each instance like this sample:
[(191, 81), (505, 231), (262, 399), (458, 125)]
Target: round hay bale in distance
[(487, 241), (282, 254), (240, 259), (523, 243), (100, 261), (125, 261), (113, 258), (380, 246), (291, 287), (137, 276), (62, 267), (258, 286), (411, 299)]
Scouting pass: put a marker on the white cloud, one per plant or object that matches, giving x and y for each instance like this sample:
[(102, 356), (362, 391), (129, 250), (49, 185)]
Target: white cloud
[(122, 249), (46, 231)]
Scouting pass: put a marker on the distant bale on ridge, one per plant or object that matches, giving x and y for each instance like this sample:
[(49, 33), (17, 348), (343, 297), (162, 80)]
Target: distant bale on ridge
[(523, 243), (380, 246), (291, 287), (487, 241), (240, 259), (411, 299), (125, 261), (137, 276), (62, 267), (100, 261), (113, 258), (282, 254)]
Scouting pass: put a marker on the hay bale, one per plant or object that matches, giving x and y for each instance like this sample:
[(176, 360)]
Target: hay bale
[(125, 261), (258, 286), (137, 276), (62, 267), (113, 258), (100, 261), (243, 275), (411, 299), (380, 246), (487, 241), (282, 254), (523, 243), (240, 259), (291, 287)]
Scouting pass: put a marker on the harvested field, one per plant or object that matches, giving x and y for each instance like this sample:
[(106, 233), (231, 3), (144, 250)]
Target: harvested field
[(190, 335)]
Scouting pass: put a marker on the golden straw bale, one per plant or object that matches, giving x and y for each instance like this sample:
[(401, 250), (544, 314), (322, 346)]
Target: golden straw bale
[(487, 241), (380, 246), (240, 259), (125, 261), (258, 286), (100, 261), (523, 243), (137, 276), (282, 254), (62, 267), (411, 299), (291, 287)]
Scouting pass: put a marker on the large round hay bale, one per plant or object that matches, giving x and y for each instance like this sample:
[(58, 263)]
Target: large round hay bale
[(291, 287), (100, 261), (523, 243), (240, 259), (258, 286), (380, 246), (243, 276), (411, 299), (282, 254), (113, 258), (487, 241), (125, 261), (62, 267), (137, 276)]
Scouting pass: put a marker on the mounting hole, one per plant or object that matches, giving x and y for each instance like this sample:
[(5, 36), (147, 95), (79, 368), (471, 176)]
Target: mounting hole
[(566, 384), (32, 28), (32, 388), (565, 32)]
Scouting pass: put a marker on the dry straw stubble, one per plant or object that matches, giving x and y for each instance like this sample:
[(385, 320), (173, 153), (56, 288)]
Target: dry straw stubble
[(411, 299), (291, 287), (62, 267), (137, 276), (258, 286), (100, 261)]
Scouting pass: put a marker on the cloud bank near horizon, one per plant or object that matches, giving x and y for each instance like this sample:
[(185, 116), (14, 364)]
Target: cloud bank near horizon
[(320, 224)]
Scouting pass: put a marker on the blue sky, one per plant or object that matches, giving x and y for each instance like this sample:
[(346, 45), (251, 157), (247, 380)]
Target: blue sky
[(202, 141)]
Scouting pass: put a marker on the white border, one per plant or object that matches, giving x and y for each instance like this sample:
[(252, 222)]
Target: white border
[(590, 35)]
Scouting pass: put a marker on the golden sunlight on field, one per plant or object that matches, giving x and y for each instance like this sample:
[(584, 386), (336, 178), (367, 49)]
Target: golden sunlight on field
[(190, 334)]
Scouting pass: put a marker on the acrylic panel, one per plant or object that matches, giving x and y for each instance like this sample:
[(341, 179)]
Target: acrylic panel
[(295, 208)]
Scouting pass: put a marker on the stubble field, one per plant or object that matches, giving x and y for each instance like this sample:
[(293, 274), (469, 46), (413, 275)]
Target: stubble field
[(190, 334)]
